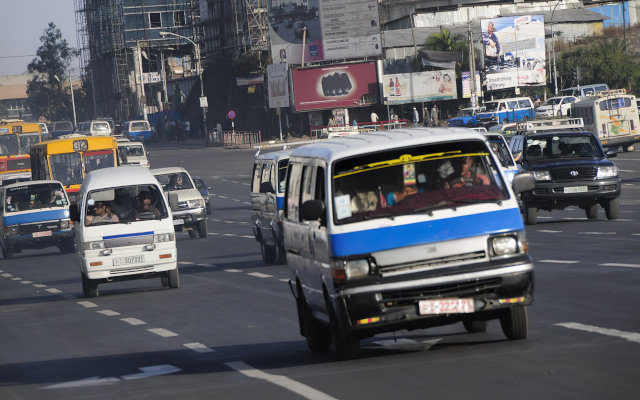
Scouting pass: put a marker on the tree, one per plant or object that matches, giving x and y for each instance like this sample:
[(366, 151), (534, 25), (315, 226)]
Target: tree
[(46, 90), (443, 41)]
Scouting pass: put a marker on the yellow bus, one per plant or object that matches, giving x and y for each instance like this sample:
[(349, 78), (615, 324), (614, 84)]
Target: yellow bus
[(69, 159), (15, 138)]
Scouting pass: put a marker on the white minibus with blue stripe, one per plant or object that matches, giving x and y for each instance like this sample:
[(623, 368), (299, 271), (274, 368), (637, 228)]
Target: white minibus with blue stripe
[(404, 230)]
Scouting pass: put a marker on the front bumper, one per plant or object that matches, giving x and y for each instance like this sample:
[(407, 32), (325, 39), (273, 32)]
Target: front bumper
[(28, 241), (387, 307), (152, 265), (188, 218), (553, 193)]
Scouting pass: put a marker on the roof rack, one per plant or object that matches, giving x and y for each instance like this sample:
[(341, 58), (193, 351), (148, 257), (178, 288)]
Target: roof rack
[(607, 93), (549, 124)]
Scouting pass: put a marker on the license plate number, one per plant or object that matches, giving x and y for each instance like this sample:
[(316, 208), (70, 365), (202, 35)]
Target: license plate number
[(42, 234), (575, 189), (178, 221), (446, 306), (127, 260)]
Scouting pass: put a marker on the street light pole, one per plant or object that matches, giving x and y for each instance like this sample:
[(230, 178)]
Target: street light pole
[(553, 50), (199, 70), (73, 102)]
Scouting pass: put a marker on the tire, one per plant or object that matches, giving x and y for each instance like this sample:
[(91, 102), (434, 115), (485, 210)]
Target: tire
[(611, 209), (268, 252), (475, 326), (347, 345), (280, 256), (89, 287), (173, 278), (8, 253), (165, 279), (192, 233), (203, 229), (530, 214), (317, 335), (209, 209), (67, 247), (592, 211), (515, 323)]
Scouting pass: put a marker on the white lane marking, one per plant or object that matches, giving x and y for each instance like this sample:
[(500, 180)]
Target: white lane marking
[(300, 388), (635, 234), (87, 304), (620, 265), (26, 282), (407, 344), (246, 203), (7, 275), (627, 184), (558, 261), (16, 279), (153, 370), (232, 270), (228, 234), (163, 332), (630, 336), (246, 237), (39, 285), (260, 275), (239, 182), (576, 218), (108, 313), (185, 263), (545, 217), (223, 197), (284, 280), (53, 290), (198, 347), (93, 381), (1, 270), (596, 233), (133, 321), (626, 170), (548, 231), (246, 184)]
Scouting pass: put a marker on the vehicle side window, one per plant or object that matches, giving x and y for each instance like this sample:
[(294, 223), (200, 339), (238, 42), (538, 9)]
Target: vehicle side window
[(512, 104), (267, 180), (525, 103), (319, 192), (307, 184), (292, 193), (255, 183), (502, 106)]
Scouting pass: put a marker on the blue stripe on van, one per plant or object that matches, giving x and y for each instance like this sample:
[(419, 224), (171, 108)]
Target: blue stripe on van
[(36, 216), (127, 235), (368, 241), (280, 202)]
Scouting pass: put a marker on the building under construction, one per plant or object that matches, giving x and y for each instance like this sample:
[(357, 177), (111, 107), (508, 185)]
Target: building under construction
[(125, 57)]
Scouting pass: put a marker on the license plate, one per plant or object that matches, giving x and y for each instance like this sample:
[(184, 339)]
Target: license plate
[(127, 260), (446, 306), (178, 221), (42, 234), (575, 189)]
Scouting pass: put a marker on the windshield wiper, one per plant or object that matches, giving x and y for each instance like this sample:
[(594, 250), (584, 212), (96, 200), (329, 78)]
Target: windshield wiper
[(478, 201), (429, 209)]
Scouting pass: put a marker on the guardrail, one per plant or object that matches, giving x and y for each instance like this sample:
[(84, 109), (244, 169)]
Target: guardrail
[(318, 132), (234, 139)]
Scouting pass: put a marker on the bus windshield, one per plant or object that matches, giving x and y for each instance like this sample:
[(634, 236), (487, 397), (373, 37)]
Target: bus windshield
[(8, 145), (67, 168), (33, 197), (94, 160), (139, 126), (26, 140)]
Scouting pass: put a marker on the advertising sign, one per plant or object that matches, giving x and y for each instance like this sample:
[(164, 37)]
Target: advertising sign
[(466, 84), (514, 51), (417, 87), (288, 21), (335, 86), (350, 29), (278, 84)]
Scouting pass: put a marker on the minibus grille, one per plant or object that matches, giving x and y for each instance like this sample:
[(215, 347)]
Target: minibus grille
[(417, 266), (480, 287), (28, 229), (128, 241)]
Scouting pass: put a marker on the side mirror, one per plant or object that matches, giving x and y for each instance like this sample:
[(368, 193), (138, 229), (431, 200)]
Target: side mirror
[(312, 210), (74, 213), (173, 200), (209, 188), (523, 182), (266, 187), (611, 153)]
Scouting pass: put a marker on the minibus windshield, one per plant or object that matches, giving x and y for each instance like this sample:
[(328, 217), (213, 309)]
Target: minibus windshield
[(125, 204), (415, 180), (34, 197)]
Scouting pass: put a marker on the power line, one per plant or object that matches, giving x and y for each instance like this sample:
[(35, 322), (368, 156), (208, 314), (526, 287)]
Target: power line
[(26, 55)]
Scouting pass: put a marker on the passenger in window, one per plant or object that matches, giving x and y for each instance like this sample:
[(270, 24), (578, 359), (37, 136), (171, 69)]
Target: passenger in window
[(56, 197), (102, 213), (466, 174), (145, 204), (175, 182)]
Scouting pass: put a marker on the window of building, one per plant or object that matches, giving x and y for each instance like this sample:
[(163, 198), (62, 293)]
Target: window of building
[(155, 20), (179, 18)]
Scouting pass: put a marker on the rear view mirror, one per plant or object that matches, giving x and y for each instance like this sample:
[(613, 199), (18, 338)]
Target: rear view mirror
[(74, 213), (312, 210), (523, 182), (611, 153)]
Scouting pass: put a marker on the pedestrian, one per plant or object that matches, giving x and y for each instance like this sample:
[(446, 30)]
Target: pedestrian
[(416, 117), (434, 115), (426, 118), (355, 123), (187, 129), (374, 117), (537, 102), (173, 129)]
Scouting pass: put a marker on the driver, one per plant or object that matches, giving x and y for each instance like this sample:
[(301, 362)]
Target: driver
[(175, 182), (465, 174), (145, 206), (102, 215)]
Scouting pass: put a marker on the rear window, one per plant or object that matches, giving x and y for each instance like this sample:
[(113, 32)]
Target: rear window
[(101, 127), (62, 126)]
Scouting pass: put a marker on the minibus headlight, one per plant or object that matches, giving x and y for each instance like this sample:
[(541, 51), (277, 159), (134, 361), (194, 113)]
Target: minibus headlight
[(542, 175), (607, 172), (64, 224), (11, 230), (504, 245), (95, 245), (196, 203), (164, 237)]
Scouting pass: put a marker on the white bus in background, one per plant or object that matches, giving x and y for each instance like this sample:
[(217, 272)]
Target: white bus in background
[(584, 90), (612, 115)]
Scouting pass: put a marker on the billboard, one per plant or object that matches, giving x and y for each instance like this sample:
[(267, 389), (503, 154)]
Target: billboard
[(335, 86), (277, 82), (288, 21), (514, 51), (466, 84), (417, 87), (350, 29)]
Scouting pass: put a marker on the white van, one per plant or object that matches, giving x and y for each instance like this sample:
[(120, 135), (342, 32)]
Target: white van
[(124, 229), (404, 230)]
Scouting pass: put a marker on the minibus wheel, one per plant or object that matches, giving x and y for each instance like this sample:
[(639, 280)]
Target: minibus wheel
[(474, 326), (8, 253), (592, 211), (318, 336), (347, 345), (530, 214), (515, 323), (611, 209), (89, 287), (203, 229), (268, 252), (174, 278)]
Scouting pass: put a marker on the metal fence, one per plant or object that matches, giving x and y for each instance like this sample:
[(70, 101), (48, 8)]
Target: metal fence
[(234, 139), (319, 132)]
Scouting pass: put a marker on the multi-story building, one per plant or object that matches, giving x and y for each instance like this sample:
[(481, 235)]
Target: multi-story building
[(14, 102)]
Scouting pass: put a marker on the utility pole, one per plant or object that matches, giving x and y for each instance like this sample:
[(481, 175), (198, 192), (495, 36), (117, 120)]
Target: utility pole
[(73, 102), (553, 49), (472, 63)]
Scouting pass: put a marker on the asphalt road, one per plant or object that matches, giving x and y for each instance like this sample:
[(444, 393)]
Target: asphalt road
[(230, 331)]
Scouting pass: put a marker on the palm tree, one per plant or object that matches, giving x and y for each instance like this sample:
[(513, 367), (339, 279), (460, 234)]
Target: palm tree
[(443, 41)]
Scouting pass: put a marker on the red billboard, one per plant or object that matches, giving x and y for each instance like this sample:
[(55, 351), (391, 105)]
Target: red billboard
[(335, 86)]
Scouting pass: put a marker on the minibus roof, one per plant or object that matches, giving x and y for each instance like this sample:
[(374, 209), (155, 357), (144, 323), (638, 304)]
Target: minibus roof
[(28, 183), (275, 155), (118, 176)]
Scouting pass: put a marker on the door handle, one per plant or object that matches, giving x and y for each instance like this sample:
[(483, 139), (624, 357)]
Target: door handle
[(294, 251)]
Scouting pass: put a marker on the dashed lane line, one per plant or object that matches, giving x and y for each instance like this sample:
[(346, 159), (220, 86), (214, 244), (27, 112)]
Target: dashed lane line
[(198, 347), (133, 321), (260, 275), (53, 290), (87, 304), (39, 285), (108, 313), (550, 261), (548, 231), (630, 336), (620, 265), (596, 233), (16, 279), (232, 270), (26, 282), (284, 280), (7, 275), (185, 263), (162, 332), (283, 381)]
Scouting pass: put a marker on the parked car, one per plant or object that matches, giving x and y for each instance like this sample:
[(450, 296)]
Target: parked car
[(188, 206), (570, 168), (506, 110), (60, 128), (466, 117), (124, 229), (34, 215), (556, 106), (138, 130), (132, 153), (205, 191)]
